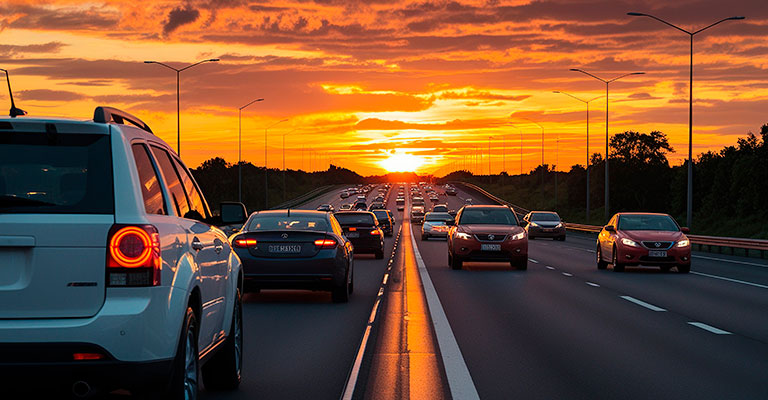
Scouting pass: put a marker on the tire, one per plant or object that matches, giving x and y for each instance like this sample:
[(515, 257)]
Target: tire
[(340, 294), (617, 266), (185, 376), (601, 264), (223, 371), (665, 268), (684, 269), (351, 281), (456, 262)]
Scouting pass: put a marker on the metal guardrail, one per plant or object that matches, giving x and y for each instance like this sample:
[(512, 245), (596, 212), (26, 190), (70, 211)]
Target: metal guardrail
[(305, 197), (710, 242)]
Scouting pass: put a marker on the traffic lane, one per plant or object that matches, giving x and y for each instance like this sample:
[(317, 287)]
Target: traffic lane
[(729, 306), (751, 270), (541, 334)]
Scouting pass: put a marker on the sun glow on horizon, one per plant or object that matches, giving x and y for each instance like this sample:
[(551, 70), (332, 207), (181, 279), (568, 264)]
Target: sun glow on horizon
[(401, 162)]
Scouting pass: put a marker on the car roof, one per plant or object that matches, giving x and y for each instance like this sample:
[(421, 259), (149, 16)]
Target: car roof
[(292, 212), (485, 206)]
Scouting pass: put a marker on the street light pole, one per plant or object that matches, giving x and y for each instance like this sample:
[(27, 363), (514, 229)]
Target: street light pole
[(587, 164), (607, 82), (689, 199), (178, 110), (240, 150), (266, 180)]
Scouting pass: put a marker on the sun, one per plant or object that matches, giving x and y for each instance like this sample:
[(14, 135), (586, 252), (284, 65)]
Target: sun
[(401, 162)]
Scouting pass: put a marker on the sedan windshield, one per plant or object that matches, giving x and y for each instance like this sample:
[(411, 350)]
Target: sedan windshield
[(355, 218), (282, 222), (647, 222), (437, 218), (545, 217), (487, 216)]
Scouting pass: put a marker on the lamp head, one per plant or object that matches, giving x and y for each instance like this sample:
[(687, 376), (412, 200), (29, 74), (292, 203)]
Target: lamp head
[(736, 18), (637, 14)]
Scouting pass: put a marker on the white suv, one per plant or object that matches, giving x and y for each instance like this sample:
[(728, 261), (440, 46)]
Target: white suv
[(111, 273)]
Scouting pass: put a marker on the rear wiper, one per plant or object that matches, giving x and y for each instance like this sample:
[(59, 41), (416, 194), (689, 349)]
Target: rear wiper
[(13, 201)]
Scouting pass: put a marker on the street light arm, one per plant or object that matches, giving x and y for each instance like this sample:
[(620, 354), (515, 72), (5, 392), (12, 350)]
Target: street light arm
[(625, 75), (598, 97), (570, 95), (164, 65), (635, 14), (198, 63), (587, 73), (722, 20), (251, 103)]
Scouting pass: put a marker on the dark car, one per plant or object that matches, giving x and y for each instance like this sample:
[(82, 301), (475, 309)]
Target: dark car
[(377, 206), (450, 191), (386, 221), (325, 207), (359, 205), (436, 224), (644, 239), (291, 249), (544, 224), (487, 233), (440, 208), (362, 229)]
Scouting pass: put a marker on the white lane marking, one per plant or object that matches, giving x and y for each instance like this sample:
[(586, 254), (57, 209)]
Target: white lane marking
[(710, 328), (593, 284), (731, 280), (533, 261), (456, 372), (567, 274), (642, 303), (551, 268), (731, 261)]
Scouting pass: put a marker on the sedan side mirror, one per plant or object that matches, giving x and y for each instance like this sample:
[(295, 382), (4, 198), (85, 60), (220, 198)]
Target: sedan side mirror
[(609, 228), (233, 213), (685, 230)]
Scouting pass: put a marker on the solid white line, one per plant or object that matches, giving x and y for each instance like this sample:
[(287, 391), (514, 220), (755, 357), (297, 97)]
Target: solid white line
[(731, 280), (549, 267), (731, 261), (710, 328), (567, 274), (593, 284), (533, 261), (642, 303), (456, 372)]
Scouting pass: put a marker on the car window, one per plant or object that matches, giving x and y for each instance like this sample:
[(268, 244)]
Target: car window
[(544, 217), (285, 222), (196, 200), (68, 174), (646, 222), (172, 181), (438, 217), (495, 216), (154, 203), (355, 219)]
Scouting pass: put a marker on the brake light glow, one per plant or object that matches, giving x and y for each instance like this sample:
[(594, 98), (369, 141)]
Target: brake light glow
[(325, 243), (87, 356), (133, 256), (353, 229), (244, 242), (376, 232)]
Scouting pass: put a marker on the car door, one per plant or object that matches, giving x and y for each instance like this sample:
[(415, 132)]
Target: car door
[(606, 240)]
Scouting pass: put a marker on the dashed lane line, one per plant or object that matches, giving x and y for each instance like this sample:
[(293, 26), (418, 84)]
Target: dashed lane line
[(592, 284), (731, 261), (567, 274), (550, 267), (730, 280), (710, 328), (642, 303)]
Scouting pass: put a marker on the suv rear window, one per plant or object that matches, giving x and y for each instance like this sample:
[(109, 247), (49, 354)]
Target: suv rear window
[(56, 173), (355, 218)]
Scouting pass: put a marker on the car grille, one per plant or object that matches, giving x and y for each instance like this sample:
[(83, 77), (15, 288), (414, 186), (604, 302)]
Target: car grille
[(490, 237), (661, 245)]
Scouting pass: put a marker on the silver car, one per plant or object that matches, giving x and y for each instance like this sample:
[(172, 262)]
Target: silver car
[(544, 224), (436, 224)]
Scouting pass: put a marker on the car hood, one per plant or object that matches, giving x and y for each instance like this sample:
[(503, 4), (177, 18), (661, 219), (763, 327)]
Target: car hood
[(653, 235), (490, 229)]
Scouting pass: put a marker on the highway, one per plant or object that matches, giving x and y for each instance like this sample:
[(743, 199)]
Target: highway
[(560, 330)]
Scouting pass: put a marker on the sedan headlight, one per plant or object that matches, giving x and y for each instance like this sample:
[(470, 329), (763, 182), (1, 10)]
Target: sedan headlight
[(462, 235), (560, 225), (684, 243), (519, 236), (629, 242)]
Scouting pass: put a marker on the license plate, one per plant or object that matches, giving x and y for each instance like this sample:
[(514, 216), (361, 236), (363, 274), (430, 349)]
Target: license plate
[(657, 253), (490, 247), (352, 234), (285, 248), (547, 229)]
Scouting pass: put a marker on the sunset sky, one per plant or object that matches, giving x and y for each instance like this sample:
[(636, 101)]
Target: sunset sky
[(361, 81)]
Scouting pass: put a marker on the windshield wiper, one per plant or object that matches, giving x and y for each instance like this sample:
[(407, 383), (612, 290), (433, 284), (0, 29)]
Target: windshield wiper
[(13, 201)]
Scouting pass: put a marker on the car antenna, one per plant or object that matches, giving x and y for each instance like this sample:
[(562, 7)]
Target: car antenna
[(15, 112)]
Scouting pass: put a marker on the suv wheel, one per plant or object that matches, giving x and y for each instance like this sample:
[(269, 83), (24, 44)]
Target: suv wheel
[(222, 372), (456, 262), (601, 264), (617, 266), (340, 294), (186, 368)]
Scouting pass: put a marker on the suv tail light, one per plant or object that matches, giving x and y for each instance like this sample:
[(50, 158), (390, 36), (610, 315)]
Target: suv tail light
[(133, 256), (376, 232), (325, 243), (245, 242)]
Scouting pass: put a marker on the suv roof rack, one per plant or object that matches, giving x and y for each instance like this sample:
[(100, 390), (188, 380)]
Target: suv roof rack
[(106, 115)]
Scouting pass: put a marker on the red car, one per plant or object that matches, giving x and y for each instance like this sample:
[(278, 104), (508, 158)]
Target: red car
[(487, 233), (644, 239)]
